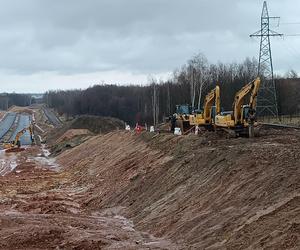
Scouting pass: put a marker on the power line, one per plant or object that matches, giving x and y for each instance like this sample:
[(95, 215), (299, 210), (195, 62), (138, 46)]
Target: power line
[(291, 52), (294, 23), (292, 35), (292, 48)]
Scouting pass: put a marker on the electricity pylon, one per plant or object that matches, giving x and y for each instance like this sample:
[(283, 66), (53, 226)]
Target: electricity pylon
[(266, 98)]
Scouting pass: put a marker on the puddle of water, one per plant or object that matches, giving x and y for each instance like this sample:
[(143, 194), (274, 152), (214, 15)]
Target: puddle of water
[(8, 162), (45, 160), (46, 152)]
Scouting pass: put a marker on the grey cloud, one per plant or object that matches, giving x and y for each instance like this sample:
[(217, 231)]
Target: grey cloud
[(142, 36)]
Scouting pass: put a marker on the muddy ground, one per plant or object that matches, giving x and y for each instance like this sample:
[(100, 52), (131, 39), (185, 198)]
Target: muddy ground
[(128, 191), (40, 209)]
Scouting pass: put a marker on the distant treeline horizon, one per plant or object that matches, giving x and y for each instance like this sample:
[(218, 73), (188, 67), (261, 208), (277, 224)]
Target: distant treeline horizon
[(188, 85), (8, 100)]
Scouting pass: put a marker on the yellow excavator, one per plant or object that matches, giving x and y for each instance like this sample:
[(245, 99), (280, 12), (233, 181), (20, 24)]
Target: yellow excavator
[(15, 146), (241, 120), (185, 119), (206, 118), (181, 118)]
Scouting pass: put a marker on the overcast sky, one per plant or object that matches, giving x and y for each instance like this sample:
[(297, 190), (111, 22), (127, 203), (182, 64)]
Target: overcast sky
[(62, 44)]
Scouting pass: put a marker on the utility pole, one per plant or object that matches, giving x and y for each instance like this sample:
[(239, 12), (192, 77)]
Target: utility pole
[(266, 98)]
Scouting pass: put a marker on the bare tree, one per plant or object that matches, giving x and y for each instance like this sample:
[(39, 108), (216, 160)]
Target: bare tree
[(191, 72), (199, 75), (168, 98), (291, 74), (204, 81), (155, 101)]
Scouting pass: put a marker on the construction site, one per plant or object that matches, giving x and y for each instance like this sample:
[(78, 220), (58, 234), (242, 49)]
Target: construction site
[(208, 159), (75, 189)]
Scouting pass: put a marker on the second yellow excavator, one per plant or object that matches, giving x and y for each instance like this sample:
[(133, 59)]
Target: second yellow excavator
[(241, 120), (15, 146), (206, 118)]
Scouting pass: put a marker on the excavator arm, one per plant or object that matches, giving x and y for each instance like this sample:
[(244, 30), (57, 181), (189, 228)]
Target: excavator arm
[(20, 133), (253, 97), (252, 88), (208, 103), (217, 100), (15, 146)]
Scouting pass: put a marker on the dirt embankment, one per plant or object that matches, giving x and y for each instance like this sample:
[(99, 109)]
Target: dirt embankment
[(2, 113), (128, 191), (202, 193), (77, 131), (18, 109), (95, 124), (40, 208)]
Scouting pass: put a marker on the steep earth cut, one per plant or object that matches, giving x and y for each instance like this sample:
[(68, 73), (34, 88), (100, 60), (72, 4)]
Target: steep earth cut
[(205, 193)]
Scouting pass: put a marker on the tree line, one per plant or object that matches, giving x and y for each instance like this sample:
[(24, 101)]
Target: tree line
[(13, 99), (188, 85)]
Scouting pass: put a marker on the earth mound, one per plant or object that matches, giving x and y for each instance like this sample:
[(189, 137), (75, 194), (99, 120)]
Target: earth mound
[(200, 193)]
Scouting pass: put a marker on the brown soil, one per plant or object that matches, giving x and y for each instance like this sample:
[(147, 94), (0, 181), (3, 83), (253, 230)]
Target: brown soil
[(18, 109), (2, 113), (205, 193), (42, 121), (71, 133), (40, 209), (70, 139), (95, 124), (186, 192)]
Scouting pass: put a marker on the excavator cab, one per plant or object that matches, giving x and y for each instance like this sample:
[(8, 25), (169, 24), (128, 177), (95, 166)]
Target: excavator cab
[(184, 109), (213, 114), (181, 118), (245, 112)]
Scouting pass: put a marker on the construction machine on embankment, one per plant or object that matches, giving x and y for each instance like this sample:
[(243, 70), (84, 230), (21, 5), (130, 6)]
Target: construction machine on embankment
[(186, 119), (206, 118), (15, 145), (242, 119), (181, 118)]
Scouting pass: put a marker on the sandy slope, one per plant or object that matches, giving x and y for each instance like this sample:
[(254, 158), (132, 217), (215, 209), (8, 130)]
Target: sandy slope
[(199, 192), (127, 191), (40, 208)]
